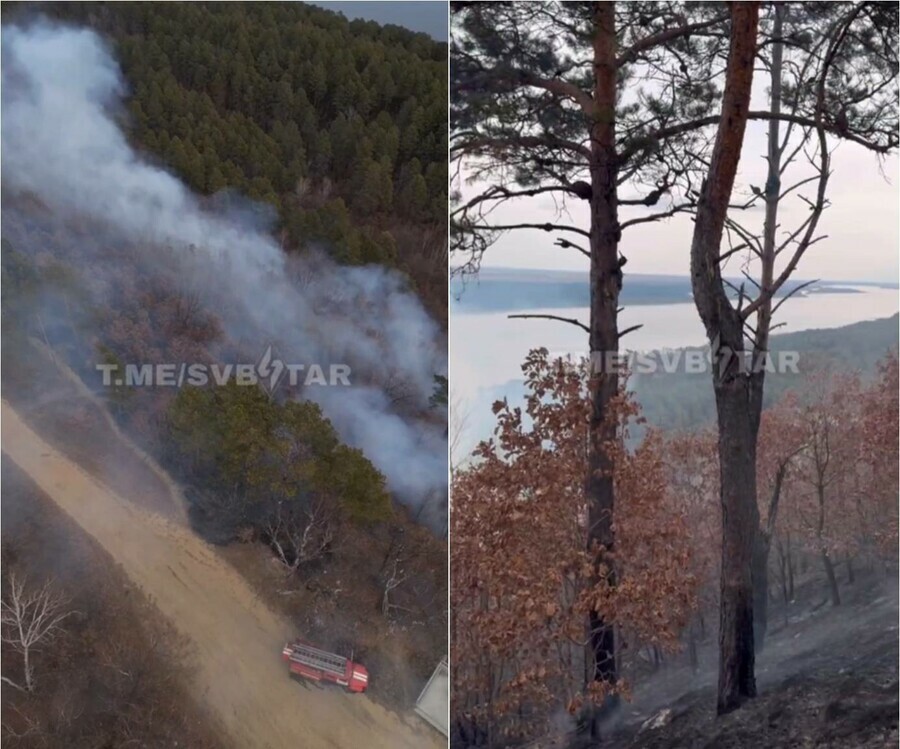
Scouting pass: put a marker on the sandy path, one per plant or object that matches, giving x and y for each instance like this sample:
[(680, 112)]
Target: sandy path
[(179, 505), (238, 639)]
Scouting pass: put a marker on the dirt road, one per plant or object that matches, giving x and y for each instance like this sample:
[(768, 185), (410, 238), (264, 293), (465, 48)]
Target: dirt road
[(238, 639)]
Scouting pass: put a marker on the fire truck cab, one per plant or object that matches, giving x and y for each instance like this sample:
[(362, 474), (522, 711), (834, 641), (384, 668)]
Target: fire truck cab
[(320, 665)]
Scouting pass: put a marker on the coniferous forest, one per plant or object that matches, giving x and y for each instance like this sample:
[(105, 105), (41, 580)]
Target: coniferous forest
[(339, 125)]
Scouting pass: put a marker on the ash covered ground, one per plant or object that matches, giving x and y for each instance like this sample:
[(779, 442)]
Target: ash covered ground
[(827, 677)]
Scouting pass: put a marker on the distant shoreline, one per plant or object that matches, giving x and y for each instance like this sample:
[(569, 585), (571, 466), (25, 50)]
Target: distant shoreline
[(526, 289), (683, 399)]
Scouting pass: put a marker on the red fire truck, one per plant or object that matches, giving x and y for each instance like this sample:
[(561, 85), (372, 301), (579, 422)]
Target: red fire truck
[(319, 665)]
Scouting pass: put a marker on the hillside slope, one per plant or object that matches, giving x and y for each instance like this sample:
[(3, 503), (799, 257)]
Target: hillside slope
[(336, 127), (236, 638), (684, 400)]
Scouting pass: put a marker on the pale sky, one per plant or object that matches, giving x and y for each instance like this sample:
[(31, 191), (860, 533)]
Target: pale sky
[(427, 16), (861, 224)]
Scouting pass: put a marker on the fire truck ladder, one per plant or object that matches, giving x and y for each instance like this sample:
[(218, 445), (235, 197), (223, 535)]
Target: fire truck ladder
[(310, 656)]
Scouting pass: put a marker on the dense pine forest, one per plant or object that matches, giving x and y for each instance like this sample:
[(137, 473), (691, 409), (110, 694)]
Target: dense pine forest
[(339, 125)]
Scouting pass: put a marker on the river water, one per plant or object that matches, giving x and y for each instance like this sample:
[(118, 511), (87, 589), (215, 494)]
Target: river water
[(487, 349)]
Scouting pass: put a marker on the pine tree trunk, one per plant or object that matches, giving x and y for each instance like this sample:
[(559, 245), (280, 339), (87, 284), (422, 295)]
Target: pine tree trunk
[(605, 283), (764, 321), (738, 393), (851, 577), (761, 552)]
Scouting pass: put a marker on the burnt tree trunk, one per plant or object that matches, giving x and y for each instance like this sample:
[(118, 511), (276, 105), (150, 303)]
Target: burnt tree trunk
[(783, 571), (833, 589), (692, 651), (761, 552), (738, 393), (790, 567), (760, 590), (820, 534), (605, 283), (738, 403)]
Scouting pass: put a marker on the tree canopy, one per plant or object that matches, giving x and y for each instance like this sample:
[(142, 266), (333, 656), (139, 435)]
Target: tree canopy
[(261, 454), (340, 125)]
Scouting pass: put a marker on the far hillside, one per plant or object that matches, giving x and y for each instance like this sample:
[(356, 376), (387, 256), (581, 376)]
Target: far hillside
[(510, 289), (681, 400)]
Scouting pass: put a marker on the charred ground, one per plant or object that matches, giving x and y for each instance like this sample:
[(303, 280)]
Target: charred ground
[(826, 678)]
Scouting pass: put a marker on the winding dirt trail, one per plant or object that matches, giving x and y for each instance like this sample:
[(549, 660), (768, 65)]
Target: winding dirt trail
[(238, 640)]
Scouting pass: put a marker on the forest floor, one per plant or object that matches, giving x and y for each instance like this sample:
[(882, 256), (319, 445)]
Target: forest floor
[(826, 678), (235, 638)]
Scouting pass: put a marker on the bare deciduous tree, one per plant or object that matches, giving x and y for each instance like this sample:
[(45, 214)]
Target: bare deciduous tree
[(393, 576), (300, 534), (31, 618)]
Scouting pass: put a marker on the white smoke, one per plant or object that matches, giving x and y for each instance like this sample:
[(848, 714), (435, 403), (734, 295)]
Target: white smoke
[(60, 141)]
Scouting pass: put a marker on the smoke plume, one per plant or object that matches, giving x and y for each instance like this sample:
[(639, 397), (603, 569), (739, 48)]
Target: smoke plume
[(61, 141)]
